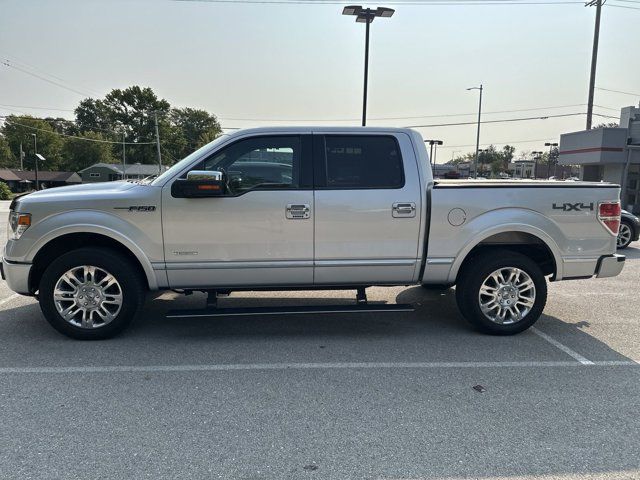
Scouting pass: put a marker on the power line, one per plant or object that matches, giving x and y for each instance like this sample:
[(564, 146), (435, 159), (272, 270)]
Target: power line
[(622, 6), (73, 136), (443, 115), (93, 127), (618, 91), (38, 69), (498, 143), (37, 108), (498, 121), (7, 63)]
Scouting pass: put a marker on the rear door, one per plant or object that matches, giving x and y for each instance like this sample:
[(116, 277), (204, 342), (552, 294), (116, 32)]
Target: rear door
[(367, 201)]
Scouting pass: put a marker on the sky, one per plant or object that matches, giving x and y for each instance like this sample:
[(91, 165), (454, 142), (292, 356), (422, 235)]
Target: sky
[(274, 64)]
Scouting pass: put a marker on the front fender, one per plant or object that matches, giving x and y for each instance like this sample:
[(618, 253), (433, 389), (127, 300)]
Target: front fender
[(137, 238)]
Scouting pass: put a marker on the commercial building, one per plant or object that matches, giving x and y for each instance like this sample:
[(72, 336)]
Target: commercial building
[(610, 154)]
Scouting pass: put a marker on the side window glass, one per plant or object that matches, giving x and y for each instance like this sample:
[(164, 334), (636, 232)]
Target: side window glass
[(260, 162), (363, 161)]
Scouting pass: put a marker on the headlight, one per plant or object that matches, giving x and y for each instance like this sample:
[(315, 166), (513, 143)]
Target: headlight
[(18, 224)]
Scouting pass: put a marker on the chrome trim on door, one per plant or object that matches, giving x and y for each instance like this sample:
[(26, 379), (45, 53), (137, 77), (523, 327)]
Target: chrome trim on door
[(403, 210), (298, 211), (366, 263)]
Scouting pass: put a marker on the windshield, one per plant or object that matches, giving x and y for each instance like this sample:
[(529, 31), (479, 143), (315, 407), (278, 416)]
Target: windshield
[(186, 160)]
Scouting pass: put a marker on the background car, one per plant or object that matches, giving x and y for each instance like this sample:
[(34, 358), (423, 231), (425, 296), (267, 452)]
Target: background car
[(629, 229)]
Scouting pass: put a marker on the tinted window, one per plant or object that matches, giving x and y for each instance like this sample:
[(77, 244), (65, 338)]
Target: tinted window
[(261, 162), (364, 161)]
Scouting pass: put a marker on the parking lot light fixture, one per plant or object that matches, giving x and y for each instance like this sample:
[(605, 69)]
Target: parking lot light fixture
[(366, 15)]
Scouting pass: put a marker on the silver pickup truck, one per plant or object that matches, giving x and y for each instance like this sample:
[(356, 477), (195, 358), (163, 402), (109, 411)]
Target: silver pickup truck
[(306, 208)]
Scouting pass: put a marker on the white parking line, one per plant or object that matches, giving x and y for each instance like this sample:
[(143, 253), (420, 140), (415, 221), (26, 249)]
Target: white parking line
[(562, 347), (9, 298), (306, 366)]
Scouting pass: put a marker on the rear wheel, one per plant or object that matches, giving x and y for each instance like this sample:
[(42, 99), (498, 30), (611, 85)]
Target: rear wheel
[(90, 293), (624, 235), (503, 294)]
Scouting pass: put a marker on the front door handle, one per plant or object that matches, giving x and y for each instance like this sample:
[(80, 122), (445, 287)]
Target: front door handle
[(298, 211), (403, 210)]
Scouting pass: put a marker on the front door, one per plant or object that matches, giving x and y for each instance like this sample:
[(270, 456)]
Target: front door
[(260, 233), (367, 209)]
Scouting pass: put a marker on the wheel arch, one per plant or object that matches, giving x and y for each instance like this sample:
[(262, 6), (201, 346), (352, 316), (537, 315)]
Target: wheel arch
[(65, 240), (525, 239)]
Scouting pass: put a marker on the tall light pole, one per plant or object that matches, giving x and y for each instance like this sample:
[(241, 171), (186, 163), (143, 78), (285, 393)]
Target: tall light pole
[(35, 153), (594, 59), (432, 154), (124, 157), (366, 15), (478, 134), (551, 147), (536, 157)]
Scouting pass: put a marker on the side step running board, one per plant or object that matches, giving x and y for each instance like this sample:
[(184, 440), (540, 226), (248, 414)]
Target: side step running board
[(301, 310)]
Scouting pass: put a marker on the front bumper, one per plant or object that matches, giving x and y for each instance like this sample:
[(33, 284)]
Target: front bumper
[(16, 275), (610, 265)]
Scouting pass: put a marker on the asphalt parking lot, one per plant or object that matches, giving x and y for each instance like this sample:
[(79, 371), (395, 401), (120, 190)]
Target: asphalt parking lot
[(387, 396)]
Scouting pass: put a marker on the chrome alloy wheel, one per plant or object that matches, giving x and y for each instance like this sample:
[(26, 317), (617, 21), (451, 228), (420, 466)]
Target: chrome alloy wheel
[(88, 296), (624, 235), (507, 295)]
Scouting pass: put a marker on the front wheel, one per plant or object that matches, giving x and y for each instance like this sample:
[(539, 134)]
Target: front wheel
[(503, 294), (90, 293)]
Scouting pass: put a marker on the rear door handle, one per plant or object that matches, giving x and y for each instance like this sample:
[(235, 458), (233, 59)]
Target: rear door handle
[(403, 210), (298, 211)]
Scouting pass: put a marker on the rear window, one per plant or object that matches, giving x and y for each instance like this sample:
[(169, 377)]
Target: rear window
[(363, 161)]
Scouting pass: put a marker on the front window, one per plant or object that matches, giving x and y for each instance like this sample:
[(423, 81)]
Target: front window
[(258, 162), (186, 160)]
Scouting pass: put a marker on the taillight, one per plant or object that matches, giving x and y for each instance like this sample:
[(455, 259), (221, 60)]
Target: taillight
[(609, 215)]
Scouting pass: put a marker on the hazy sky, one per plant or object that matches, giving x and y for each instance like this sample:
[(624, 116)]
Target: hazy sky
[(304, 63)]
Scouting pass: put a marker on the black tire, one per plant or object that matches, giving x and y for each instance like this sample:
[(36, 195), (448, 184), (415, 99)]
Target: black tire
[(471, 279), (625, 244), (129, 279)]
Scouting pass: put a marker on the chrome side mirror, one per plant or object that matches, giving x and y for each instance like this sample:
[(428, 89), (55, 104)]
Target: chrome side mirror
[(198, 184), (205, 175)]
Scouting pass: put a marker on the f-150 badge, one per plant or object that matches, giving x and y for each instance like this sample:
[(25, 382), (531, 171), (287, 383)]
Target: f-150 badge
[(138, 208)]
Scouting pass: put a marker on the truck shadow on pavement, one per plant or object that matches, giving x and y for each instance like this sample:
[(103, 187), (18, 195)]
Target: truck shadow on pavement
[(435, 331)]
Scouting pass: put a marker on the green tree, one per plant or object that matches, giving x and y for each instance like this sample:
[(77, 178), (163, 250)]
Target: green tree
[(198, 127), (7, 160), (20, 129), (79, 154), (5, 191), (132, 111)]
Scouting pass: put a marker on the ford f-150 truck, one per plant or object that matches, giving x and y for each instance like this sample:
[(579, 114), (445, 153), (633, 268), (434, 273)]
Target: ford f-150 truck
[(307, 208)]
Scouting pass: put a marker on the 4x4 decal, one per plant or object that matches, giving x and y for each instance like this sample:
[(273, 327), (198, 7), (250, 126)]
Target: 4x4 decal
[(573, 207)]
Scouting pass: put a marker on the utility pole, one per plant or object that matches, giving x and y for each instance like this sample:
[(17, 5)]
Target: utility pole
[(35, 152), (124, 158), (594, 60), (21, 157), (478, 133), (155, 117)]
